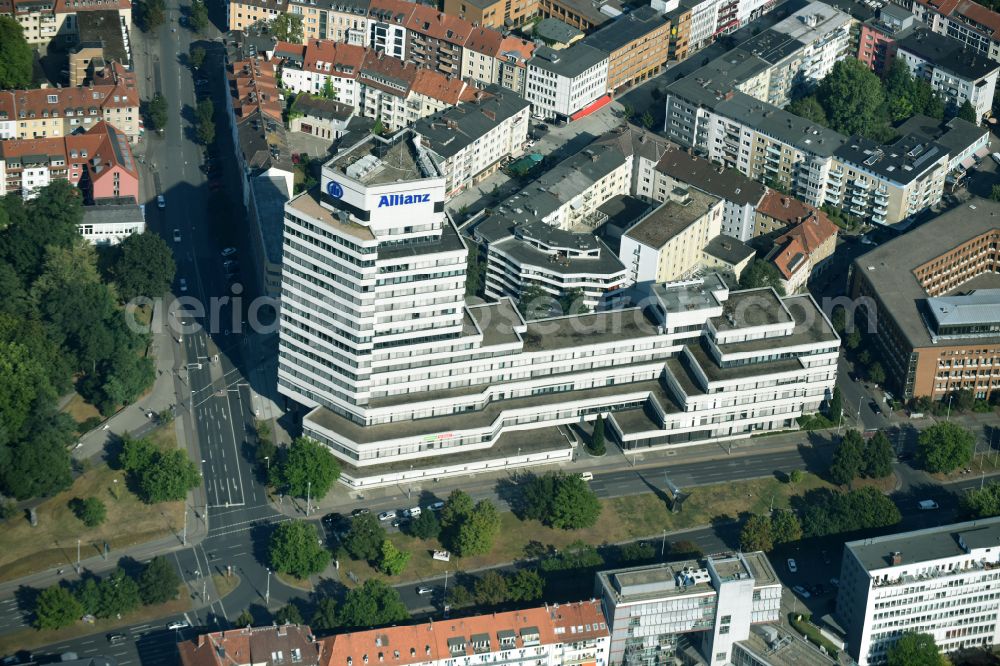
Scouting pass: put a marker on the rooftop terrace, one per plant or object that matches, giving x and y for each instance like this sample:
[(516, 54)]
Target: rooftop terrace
[(379, 161)]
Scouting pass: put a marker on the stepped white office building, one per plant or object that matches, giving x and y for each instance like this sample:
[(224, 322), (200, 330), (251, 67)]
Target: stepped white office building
[(407, 381)]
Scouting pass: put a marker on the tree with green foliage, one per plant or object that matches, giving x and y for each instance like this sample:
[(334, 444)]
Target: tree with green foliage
[(426, 525), (962, 400), (459, 597), (159, 581), (915, 649), (205, 112), (967, 112), (23, 384), (88, 593), (491, 589), (157, 112), (597, 446), (324, 618), (628, 111), (982, 502), (305, 468), (476, 533), (944, 447), (571, 302), (534, 303), (289, 614), (392, 561), (244, 619), (835, 408), (294, 549), (848, 458), (378, 129), (575, 505), (287, 28), (785, 527), (119, 595), (90, 511), (878, 456), (876, 373), (372, 604), (16, 57), (853, 98), (525, 585), (829, 512), (150, 14), (475, 271), (853, 340), (39, 464), (144, 266), (809, 108), (327, 91), (795, 476), (647, 120), (364, 540), (756, 534), (995, 193), (198, 17), (575, 556), (762, 273), (56, 607), (636, 551), (168, 477), (197, 57)]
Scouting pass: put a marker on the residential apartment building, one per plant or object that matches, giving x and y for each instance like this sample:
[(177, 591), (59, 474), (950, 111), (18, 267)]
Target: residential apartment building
[(387, 21), (496, 14), (804, 251), (740, 195), (877, 41), (520, 257), (940, 581), (636, 45), (57, 112), (436, 40), (99, 162), (969, 22), (44, 20), (404, 381), (955, 72), (471, 140), (322, 118), (573, 634), (666, 245), (254, 646), (324, 64), (342, 21), (489, 57), (777, 213), (559, 84), (932, 299), (585, 15), (691, 611), (244, 13), (110, 221)]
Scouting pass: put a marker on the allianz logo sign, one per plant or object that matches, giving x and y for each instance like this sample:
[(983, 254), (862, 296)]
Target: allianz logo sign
[(402, 199)]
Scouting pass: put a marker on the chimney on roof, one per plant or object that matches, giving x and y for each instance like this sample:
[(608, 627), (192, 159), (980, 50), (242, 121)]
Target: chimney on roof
[(785, 202), (896, 557)]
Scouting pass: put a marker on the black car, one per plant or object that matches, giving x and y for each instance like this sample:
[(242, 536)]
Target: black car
[(875, 408), (542, 127), (359, 512), (331, 518)]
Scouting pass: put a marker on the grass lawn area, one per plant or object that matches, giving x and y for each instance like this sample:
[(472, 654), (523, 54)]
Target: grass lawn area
[(623, 519), (292, 581), (28, 639), (225, 584), (80, 410), (25, 549)]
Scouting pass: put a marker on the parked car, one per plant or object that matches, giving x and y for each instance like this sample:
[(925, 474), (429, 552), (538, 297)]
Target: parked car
[(183, 284), (178, 624), (161, 202), (927, 505), (387, 515), (587, 476), (360, 512), (332, 518), (423, 589), (117, 639), (412, 513), (436, 506), (177, 235), (792, 566), (228, 252), (996, 157), (875, 408), (801, 591)]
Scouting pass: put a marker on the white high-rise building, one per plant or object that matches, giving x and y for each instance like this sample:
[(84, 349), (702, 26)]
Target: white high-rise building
[(941, 581), (406, 381)]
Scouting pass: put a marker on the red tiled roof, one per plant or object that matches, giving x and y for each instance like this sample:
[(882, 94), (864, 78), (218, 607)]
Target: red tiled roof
[(254, 86), (430, 22), (520, 48), (438, 86), (401, 646), (257, 645), (391, 11), (121, 94), (801, 241), (485, 40), (98, 151), (788, 209), (345, 59), (967, 9), (378, 65)]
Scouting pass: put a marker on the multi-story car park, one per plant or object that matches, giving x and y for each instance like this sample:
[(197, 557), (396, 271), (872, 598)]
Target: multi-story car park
[(406, 381), (694, 611), (940, 581), (933, 300)]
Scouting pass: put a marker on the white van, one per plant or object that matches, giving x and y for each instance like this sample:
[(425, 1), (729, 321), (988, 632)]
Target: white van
[(587, 476), (927, 505), (414, 512), (996, 157)]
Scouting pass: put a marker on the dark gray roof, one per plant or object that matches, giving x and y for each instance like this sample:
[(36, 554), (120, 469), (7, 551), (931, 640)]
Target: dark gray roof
[(947, 53), (771, 45), (569, 62), (954, 136), (116, 213), (925, 545), (103, 27), (626, 29), (889, 267), (554, 30), (902, 161), (448, 132), (317, 107), (728, 249), (723, 182)]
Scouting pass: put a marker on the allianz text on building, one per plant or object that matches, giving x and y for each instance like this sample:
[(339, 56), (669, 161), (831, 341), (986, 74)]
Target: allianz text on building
[(407, 381)]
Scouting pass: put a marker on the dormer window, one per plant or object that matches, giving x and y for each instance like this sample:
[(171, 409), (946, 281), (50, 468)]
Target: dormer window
[(53, 99)]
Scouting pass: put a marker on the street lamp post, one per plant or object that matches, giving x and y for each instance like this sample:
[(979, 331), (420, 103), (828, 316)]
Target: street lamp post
[(267, 459), (267, 593), (948, 416), (663, 544), (860, 399), (184, 533), (78, 556), (308, 497)]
